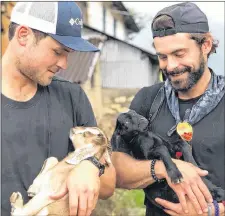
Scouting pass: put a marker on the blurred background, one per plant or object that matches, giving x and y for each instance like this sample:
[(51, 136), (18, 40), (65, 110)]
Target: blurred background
[(126, 63)]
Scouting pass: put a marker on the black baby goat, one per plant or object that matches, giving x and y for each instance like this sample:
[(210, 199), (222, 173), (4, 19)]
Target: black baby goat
[(133, 131)]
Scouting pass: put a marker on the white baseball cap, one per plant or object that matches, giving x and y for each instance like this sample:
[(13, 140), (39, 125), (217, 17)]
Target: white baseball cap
[(61, 20)]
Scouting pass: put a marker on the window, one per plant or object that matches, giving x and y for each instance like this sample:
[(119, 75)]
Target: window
[(104, 18), (114, 26)]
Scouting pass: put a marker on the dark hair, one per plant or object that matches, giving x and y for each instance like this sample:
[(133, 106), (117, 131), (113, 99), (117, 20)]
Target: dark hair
[(166, 22), (38, 34)]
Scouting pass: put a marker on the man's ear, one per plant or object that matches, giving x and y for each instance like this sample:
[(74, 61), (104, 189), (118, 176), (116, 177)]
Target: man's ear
[(207, 45), (23, 34)]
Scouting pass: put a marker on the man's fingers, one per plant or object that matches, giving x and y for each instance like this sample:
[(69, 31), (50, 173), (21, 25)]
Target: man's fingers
[(169, 205), (200, 171), (205, 191), (73, 202), (193, 199), (90, 203), (95, 200), (200, 197), (183, 202), (55, 195), (82, 204)]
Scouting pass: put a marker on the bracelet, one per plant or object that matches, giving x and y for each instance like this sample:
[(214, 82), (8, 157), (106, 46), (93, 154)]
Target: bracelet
[(209, 209), (216, 205), (153, 172)]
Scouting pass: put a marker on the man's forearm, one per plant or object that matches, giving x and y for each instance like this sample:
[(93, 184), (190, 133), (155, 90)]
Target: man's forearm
[(132, 173), (107, 182)]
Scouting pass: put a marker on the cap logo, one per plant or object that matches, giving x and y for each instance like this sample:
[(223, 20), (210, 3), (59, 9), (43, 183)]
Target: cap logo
[(76, 21)]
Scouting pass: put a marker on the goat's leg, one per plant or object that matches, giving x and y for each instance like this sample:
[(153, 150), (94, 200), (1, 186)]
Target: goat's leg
[(187, 154), (32, 207), (152, 147), (171, 168), (38, 181)]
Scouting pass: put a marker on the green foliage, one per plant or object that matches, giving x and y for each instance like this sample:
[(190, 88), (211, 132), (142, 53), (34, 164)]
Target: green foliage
[(123, 202), (137, 196)]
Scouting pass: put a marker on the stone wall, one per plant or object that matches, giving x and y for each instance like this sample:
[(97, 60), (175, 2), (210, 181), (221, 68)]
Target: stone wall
[(108, 103), (5, 19), (113, 102)]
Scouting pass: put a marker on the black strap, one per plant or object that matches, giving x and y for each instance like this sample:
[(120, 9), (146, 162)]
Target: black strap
[(157, 103), (164, 32)]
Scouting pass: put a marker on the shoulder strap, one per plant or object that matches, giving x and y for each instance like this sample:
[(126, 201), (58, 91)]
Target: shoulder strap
[(156, 104)]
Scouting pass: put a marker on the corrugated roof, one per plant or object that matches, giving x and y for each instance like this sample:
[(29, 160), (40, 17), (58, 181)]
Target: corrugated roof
[(81, 64), (129, 21), (153, 56)]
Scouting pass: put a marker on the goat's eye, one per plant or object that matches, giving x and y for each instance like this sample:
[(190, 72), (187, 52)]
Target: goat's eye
[(125, 126), (85, 134)]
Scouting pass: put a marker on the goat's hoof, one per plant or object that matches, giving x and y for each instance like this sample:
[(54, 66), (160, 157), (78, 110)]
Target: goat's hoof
[(175, 176), (16, 201), (178, 181)]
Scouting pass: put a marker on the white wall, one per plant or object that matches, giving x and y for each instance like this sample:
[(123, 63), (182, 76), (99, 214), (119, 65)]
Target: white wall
[(95, 15), (120, 32), (95, 20), (109, 23), (123, 66)]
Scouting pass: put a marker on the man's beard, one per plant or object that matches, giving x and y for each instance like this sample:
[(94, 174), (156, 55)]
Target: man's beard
[(31, 73), (183, 85)]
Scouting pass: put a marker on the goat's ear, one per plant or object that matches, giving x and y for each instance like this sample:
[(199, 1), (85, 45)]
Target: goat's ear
[(117, 124), (117, 130), (117, 141), (143, 124), (109, 147)]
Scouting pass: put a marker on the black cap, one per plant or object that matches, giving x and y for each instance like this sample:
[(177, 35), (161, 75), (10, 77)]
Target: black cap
[(187, 17)]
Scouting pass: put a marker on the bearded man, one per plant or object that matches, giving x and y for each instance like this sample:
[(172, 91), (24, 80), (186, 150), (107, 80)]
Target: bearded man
[(193, 94)]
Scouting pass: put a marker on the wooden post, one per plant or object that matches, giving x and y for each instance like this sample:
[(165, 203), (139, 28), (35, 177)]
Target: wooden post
[(97, 89)]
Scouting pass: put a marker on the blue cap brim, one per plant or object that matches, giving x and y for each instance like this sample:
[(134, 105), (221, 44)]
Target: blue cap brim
[(75, 43)]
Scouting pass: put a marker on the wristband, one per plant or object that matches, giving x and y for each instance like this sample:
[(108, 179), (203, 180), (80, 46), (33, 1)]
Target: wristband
[(96, 162), (153, 172), (216, 206)]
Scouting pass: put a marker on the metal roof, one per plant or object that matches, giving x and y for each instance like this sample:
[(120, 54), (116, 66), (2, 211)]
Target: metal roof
[(153, 56), (128, 19), (81, 64)]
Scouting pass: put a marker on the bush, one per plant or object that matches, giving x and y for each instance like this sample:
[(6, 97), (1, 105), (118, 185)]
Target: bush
[(122, 203)]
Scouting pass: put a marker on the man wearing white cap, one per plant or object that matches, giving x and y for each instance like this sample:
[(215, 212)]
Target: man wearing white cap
[(38, 109)]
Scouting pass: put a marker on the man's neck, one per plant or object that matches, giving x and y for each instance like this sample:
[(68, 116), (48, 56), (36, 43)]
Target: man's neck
[(14, 84), (199, 88)]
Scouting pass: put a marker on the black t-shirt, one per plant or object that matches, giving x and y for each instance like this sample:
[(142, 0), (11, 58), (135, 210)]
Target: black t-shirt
[(186, 104), (37, 129), (208, 136)]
